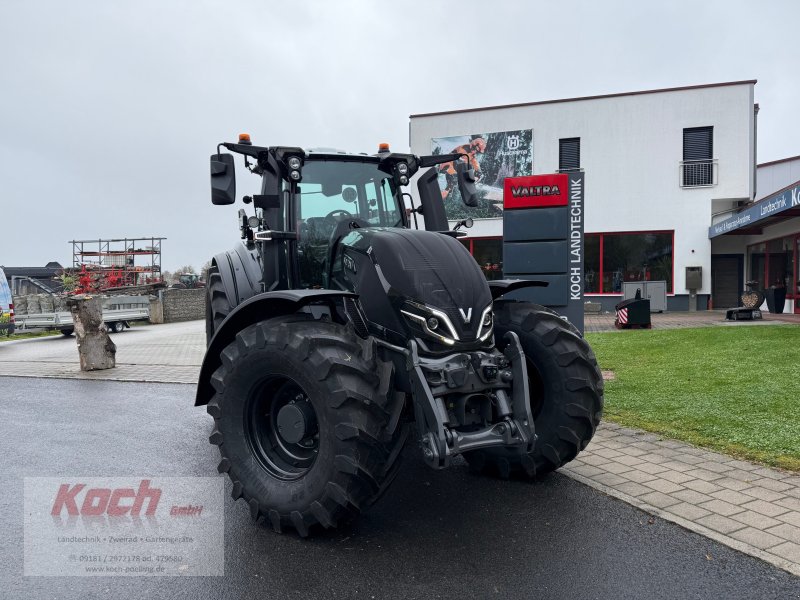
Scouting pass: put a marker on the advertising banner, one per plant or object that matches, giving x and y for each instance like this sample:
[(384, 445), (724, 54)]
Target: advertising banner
[(494, 156)]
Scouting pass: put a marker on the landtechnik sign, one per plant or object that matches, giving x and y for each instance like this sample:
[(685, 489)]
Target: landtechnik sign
[(543, 239), (768, 207)]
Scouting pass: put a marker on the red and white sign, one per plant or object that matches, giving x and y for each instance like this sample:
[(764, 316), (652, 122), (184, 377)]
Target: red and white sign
[(622, 316), (535, 191)]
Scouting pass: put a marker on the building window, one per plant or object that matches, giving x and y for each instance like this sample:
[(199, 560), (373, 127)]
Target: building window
[(569, 154), (614, 258), (591, 264), (488, 253), (609, 260), (698, 165), (757, 260), (775, 264)]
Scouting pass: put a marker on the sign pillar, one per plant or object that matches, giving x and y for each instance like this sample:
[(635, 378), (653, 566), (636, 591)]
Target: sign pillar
[(543, 218)]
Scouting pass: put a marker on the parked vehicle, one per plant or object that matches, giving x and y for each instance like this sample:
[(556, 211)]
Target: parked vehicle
[(118, 313), (188, 281), (334, 326), (7, 321)]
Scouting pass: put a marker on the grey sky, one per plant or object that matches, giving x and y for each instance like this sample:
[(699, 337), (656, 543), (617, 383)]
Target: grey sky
[(109, 110)]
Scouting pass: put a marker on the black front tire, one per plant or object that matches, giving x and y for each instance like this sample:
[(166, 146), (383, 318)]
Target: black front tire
[(566, 392), (357, 414)]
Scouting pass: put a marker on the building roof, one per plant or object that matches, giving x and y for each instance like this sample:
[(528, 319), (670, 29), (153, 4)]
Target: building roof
[(616, 95), (780, 160), (36, 272)]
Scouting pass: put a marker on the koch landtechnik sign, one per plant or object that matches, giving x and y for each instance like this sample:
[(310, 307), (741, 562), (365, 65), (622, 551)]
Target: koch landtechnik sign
[(768, 207), (543, 240)]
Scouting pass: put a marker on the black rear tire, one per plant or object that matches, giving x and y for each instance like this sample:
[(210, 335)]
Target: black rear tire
[(217, 304), (566, 392), (358, 435)]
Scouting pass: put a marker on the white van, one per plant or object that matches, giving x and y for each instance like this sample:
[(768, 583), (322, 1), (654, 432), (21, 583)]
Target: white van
[(6, 306)]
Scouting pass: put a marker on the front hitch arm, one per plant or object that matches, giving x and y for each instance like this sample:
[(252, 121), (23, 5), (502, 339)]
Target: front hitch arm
[(520, 394), (440, 442), (429, 413)]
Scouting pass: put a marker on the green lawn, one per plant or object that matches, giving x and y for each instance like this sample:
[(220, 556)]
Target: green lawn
[(24, 336), (732, 389)]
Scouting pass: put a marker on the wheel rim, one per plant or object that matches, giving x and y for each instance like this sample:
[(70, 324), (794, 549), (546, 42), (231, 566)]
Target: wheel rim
[(281, 428)]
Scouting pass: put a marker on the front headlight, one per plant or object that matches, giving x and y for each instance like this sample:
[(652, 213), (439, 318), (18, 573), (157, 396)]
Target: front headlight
[(487, 320), (434, 323)]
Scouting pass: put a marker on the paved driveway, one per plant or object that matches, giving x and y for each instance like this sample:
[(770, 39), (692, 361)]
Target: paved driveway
[(747, 507), (682, 320), (169, 353), (443, 534)]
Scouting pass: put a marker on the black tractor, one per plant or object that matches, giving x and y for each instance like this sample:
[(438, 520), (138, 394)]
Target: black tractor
[(335, 329)]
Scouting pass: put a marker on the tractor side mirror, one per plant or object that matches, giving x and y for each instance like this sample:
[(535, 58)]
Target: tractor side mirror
[(223, 179), (466, 184)]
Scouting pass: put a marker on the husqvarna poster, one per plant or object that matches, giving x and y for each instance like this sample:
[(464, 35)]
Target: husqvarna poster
[(494, 156)]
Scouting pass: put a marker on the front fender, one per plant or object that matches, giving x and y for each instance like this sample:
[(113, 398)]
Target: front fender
[(258, 308), (500, 287), (240, 270)]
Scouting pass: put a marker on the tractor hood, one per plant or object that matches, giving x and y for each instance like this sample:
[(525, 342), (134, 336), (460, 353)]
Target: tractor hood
[(421, 273)]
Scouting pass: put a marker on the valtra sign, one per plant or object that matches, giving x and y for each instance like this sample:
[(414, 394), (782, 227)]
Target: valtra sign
[(536, 191), (543, 240)]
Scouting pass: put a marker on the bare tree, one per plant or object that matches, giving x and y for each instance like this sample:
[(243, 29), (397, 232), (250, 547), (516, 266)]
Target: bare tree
[(204, 270), (187, 269)]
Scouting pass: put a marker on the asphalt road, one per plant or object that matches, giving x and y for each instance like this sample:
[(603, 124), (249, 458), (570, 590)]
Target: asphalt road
[(434, 535)]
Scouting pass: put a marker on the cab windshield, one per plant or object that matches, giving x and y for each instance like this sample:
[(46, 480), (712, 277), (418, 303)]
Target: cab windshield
[(332, 196), (332, 190)]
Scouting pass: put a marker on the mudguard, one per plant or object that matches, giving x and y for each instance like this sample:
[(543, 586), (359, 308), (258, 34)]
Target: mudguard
[(498, 287), (256, 308), (240, 271)]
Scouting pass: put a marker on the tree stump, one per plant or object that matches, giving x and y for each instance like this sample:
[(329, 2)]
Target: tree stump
[(95, 348)]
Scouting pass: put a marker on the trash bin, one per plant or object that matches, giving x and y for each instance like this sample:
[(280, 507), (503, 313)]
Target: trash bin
[(633, 314), (780, 300), (776, 298)]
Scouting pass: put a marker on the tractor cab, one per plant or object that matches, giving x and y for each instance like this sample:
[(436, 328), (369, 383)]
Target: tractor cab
[(334, 198), (311, 199)]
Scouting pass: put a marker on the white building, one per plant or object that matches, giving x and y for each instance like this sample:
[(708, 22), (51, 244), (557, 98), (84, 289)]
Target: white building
[(761, 241), (661, 166)]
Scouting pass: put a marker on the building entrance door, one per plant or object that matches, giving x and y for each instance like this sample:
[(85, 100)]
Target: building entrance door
[(726, 279), (796, 290)]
